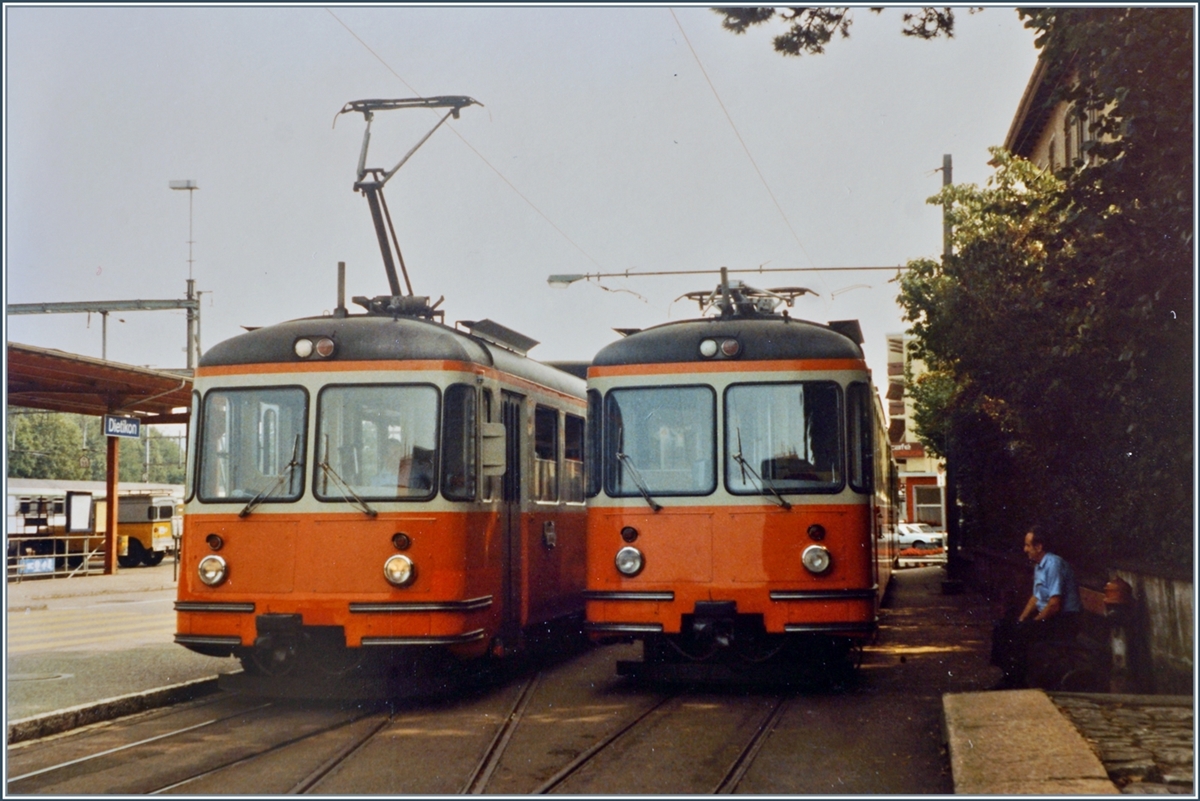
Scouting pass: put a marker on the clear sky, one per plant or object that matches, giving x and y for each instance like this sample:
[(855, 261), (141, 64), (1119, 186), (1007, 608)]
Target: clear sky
[(601, 146)]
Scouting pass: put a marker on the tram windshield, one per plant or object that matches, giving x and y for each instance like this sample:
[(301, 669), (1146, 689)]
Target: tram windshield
[(376, 442), (252, 444), (785, 437), (661, 438)]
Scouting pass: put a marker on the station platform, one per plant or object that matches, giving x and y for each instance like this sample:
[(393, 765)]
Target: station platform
[(1016, 742)]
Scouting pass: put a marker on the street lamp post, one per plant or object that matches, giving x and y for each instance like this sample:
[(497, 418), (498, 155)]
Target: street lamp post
[(192, 314)]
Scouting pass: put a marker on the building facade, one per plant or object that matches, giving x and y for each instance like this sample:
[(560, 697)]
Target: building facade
[(922, 477)]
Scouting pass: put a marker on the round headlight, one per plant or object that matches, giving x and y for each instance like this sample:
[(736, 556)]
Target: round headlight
[(303, 348), (708, 348), (816, 559), (212, 570), (399, 570), (629, 561)]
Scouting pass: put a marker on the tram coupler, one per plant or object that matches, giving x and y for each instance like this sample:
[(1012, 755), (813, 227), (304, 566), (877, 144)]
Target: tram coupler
[(278, 642), (712, 622)]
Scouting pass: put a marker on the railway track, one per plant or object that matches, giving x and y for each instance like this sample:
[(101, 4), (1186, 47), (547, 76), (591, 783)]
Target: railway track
[(239, 745), (572, 727)]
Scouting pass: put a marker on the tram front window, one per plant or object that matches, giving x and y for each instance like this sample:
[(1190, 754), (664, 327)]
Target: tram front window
[(661, 437), (377, 442), (785, 437), (252, 444)]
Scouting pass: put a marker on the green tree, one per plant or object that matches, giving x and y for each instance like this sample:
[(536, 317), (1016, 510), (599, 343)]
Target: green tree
[(1060, 334), (1064, 320), (809, 29), (44, 445), (74, 447)]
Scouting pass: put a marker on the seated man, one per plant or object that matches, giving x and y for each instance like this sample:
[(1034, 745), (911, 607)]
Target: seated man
[(1050, 614)]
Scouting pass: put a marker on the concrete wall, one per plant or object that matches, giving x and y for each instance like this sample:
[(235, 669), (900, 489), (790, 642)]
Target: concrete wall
[(1162, 644)]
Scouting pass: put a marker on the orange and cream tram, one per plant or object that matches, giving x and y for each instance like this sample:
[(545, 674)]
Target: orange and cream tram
[(380, 494), (379, 482), (740, 505)]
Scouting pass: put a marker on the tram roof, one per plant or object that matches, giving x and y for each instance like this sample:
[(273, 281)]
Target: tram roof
[(57, 381), (372, 337), (762, 338)]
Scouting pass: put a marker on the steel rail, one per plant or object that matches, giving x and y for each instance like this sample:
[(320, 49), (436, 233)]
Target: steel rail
[(344, 753), (495, 750), (742, 764), (586, 756), (127, 746), (264, 752)]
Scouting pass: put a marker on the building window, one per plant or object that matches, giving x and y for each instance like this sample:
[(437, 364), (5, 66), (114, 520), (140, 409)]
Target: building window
[(927, 502)]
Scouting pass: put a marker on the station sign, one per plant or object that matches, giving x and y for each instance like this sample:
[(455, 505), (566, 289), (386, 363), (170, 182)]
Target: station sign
[(115, 426)]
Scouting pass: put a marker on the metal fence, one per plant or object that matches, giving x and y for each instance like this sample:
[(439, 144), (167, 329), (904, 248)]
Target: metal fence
[(54, 555)]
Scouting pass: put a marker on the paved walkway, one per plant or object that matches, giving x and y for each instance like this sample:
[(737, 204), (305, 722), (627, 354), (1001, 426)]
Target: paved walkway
[(97, 645), (1146, 742)]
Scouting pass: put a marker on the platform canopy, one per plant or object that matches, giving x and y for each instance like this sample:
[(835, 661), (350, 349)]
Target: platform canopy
[(57, 381)]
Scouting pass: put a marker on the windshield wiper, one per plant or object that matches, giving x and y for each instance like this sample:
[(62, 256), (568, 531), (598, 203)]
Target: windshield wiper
[(764, 485), (284, 476), (637, 480), (341, 482)]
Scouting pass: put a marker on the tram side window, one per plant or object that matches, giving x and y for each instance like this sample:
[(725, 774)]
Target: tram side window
[(862, 448), (573, 462), (252, 443), (545, 454), (459, 441), (591, 465), (785, 437), (377, 442)]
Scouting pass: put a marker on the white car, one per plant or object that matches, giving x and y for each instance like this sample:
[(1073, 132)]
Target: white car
[(919, 535)]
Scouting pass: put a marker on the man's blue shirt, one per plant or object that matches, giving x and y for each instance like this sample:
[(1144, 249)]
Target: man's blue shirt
[(1053, 576)]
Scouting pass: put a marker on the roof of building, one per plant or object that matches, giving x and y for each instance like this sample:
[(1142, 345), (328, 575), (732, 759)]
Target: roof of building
[(1032, 113), (57, 381)]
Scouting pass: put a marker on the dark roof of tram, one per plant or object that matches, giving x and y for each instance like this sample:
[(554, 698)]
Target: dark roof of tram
[(762, 337), (57, 381), (372, 337)]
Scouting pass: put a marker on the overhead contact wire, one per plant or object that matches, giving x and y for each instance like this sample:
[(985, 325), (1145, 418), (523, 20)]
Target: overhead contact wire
[(741, 141), (472, 148)]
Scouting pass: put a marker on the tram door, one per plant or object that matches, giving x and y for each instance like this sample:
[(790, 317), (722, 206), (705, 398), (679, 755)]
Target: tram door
[(511, 414)]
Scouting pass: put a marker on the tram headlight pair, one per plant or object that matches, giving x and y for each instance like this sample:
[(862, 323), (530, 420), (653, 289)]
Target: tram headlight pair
[(816, 559), (304, 347), (630, 561), (729, 348), (212, 570), (399, 570)]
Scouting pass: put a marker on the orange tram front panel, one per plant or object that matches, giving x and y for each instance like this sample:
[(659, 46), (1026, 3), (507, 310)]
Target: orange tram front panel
[(328, 568), (748, 555), (356, 482), (740, 473)]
